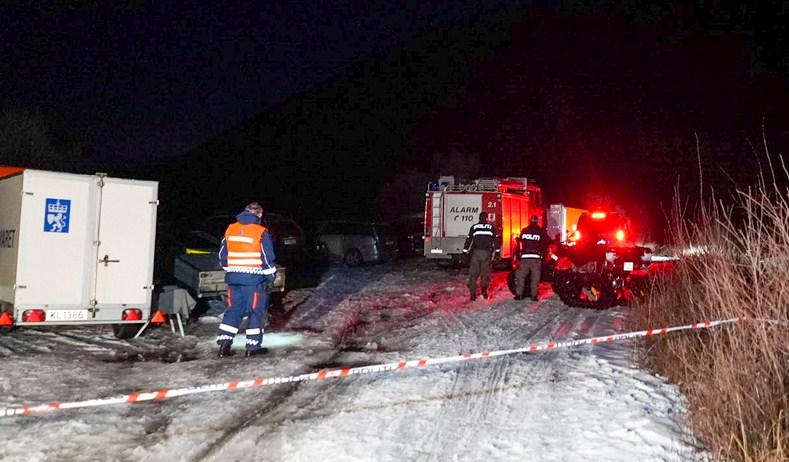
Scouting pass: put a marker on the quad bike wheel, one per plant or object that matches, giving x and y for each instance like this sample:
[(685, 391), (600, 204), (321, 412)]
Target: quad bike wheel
[(584, 290)]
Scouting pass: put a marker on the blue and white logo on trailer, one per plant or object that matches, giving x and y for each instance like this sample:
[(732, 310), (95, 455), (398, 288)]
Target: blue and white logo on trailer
[(57, 215)]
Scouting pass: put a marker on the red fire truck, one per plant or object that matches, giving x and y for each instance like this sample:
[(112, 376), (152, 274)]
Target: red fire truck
[(453, 205)]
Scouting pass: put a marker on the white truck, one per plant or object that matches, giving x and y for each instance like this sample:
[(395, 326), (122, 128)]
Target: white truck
[(563, 222), (76, 249)]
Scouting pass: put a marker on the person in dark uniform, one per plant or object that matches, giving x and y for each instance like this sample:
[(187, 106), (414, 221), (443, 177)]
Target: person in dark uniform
[(533, 243), (481, 244)]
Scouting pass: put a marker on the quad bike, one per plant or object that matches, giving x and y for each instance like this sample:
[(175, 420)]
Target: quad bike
[(601, 276), (598, 268)]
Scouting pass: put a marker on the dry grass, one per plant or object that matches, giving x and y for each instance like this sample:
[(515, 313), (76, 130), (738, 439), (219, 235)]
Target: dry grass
[(735, 377)]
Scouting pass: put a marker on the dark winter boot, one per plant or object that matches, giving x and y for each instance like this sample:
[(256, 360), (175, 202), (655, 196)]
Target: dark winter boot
[(258, 352), (485, 294), (473, 296), (226, 349)]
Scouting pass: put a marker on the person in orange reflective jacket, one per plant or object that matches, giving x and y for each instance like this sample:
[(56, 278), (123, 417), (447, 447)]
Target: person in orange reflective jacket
[(247, 256)]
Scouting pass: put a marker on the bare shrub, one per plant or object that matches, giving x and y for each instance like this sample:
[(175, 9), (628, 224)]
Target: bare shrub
[(735, 377)]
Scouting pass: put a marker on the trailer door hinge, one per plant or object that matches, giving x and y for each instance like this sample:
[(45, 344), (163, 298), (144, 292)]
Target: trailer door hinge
[(19, 287), (26, 193), (156, 202), (101, 179)]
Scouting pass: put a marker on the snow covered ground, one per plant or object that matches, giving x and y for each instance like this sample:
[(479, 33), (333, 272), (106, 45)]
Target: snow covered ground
[(578, 404)]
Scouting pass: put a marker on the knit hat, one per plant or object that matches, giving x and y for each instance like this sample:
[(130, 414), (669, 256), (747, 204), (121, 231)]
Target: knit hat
[(254, 208)]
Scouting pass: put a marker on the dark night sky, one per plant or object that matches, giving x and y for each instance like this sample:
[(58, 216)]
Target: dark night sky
[(150, 79), (588, 97)]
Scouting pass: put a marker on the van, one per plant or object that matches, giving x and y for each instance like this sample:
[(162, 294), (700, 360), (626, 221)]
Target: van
[(356, 243)]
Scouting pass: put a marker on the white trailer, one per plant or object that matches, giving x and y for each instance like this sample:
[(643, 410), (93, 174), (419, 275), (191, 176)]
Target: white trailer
[(563, 221), (76, 249)]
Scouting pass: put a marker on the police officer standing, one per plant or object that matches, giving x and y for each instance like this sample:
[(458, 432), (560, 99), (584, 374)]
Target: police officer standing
[(481, 243), (247, 256), (532, 245)]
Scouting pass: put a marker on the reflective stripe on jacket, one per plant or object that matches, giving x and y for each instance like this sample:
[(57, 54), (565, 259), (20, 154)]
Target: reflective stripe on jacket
[(245, 250)]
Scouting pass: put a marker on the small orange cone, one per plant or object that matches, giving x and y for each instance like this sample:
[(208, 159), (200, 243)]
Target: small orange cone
[(6, 319), (158, 318)]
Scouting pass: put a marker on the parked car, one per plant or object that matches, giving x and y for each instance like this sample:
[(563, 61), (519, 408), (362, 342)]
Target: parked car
[(410, 232), (290, 243), (191, 261), (357, 243), (170, 244)]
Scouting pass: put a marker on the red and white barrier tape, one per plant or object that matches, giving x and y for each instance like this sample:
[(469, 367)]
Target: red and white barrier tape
[(162, 394)]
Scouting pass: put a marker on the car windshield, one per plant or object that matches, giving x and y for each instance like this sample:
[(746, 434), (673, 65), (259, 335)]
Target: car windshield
[(196, 240), (383, 229), (283, 228), (216, 226)]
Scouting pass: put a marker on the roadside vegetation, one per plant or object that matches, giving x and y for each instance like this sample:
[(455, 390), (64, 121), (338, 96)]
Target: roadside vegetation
[(735, 377)]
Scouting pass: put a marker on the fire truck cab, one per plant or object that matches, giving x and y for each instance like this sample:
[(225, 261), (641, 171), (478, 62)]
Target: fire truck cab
[(452, 205)]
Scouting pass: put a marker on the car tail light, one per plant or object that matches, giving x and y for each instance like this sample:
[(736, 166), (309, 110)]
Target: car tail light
[(132, 314), (620, 235), (34, 315), (598, 215)]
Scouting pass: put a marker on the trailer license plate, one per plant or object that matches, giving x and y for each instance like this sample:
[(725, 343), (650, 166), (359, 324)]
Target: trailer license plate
[(289, 241), (67, 315), (628, 266)]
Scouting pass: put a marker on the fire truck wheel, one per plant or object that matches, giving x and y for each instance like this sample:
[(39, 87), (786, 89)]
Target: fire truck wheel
[(353, 258), (125, 331)]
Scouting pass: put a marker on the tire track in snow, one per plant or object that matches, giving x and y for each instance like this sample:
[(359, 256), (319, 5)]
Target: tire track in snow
[(552, 322), (467, 376), (277, 399)]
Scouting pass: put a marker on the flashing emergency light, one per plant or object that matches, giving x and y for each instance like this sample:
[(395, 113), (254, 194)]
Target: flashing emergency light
[(576, 236), (620, 235), (598, 215)]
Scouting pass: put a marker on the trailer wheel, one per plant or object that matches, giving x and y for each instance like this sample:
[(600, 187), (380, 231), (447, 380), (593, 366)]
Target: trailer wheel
[(353, 258), (125, 331)]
